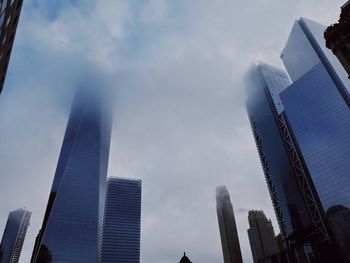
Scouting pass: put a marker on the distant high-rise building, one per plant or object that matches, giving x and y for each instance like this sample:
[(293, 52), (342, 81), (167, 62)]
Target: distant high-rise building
[(338, 37), (10, 11), (227, 224), (263, 242), (122, 222), (72, 223), (185, 259), (14, 235)]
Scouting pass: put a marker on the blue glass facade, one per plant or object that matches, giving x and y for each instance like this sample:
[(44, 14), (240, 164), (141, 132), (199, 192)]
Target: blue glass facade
[(317, 111), (122, 222), (320, 120), (264, 84), (14, 234), (73, 219), (315, 117), (306, 48)]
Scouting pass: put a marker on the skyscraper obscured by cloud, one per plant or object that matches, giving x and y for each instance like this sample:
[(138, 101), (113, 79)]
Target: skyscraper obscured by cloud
[(121, 222), (14, 235), (262, 239), (227, 225), (265, 110), (312, 119), (10, 11), (72, 224)]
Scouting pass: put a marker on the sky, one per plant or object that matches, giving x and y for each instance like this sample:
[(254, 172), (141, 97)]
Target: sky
[(180, 124)]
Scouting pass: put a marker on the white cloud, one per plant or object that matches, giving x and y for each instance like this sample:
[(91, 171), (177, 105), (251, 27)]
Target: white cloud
[(180, 119)]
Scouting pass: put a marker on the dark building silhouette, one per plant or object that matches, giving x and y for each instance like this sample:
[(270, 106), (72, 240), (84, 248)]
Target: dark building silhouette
[(1, 252), (263, 242), (14, 235), (10, 11), (339, 222), (280, 243), (338, 37), (71, 228), (227, 224), (185, 259), (122, 221), (44, 255)]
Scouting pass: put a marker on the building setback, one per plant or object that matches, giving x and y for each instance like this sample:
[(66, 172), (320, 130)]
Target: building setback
[(10, 11), (227, 225), (72, 223), (263, 242), (14, 235), (122, 222)]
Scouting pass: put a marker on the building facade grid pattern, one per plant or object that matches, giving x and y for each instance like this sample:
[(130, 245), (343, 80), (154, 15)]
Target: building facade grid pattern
[(122, 222)]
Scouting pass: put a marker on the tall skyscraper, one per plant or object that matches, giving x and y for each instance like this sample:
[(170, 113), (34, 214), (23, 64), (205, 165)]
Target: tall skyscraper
[(227, 225), (10, 11), (276, 150), (313, 124), (14, 235), (122, 222), (72, 223), (338, 37), (317, 111), (263, 242)]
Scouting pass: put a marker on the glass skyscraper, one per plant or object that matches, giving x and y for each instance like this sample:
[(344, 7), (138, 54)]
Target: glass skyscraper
[(311, 123), (317, 110), (72, 224), (14, 235), (264, 107), (10, 11), (122, 222), (227, 225)]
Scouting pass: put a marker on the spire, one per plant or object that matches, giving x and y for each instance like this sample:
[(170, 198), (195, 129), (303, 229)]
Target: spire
[(185, 259)]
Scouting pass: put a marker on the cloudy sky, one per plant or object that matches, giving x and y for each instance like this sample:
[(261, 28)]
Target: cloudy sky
[(180, 123)]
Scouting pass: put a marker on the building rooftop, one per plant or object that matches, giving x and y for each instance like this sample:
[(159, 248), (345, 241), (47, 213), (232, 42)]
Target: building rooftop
[(117, 179)]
